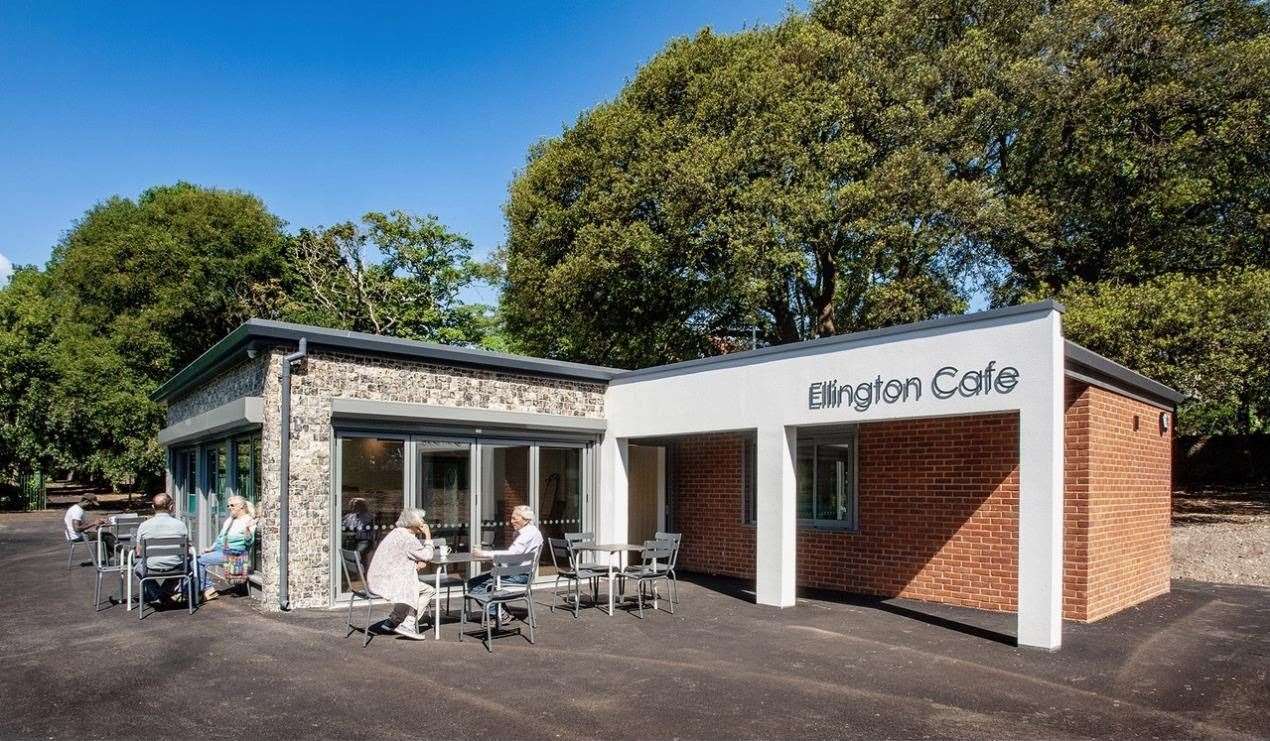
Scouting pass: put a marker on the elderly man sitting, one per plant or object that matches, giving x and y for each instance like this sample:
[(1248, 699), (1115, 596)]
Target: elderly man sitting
[(162, 525), (528, 540)]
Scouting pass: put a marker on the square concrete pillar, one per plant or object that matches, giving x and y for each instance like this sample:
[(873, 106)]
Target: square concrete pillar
[(1041, 430), (777, 512), (614, 490)]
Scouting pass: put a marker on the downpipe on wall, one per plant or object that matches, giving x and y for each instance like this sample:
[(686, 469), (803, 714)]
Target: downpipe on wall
[(284, 476)]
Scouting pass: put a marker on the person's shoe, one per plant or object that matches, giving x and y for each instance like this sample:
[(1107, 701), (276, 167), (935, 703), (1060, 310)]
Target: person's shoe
[(504, 616), (210, 594), (408, 629)]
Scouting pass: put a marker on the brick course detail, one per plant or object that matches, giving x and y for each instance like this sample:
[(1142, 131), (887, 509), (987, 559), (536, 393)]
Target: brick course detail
[(938, 510)]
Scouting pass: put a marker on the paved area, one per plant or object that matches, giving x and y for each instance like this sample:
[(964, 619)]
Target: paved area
[(1190, 664)]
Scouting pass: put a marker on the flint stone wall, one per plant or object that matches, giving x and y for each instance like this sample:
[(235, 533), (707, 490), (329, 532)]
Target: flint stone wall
[(245, 379), (326, 376)]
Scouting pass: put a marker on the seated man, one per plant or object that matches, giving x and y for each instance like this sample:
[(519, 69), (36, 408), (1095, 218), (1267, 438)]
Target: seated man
[(78, 527), (162, 525), (528, 538)]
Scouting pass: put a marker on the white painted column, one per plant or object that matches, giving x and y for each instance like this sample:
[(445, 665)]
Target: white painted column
[(1040, 615), (776, 509), (614, 490)]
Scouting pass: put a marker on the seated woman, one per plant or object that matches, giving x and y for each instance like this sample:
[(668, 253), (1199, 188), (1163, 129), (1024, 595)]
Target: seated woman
[(235, 539), (394, 572)]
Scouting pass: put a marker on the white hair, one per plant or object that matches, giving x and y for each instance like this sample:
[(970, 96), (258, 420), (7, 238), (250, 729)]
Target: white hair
[(411, 518), (524, 511), (248, 507)]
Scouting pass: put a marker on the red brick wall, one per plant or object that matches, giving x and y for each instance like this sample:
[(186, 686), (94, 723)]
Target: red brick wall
[(1119, 502), (939, 510), (938, 513)]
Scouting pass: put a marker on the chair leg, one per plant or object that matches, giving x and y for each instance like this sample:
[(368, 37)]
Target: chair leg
[(97, 594), (639, 595), (70, 557), (530, 602), (674, 587), (577, 597), (351, 627), (189, 594), (489, 636), (463, 618), (671, 601), (369, 603)]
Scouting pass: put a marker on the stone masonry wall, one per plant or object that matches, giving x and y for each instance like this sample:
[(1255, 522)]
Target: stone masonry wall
[(245, 379), (326, 376)]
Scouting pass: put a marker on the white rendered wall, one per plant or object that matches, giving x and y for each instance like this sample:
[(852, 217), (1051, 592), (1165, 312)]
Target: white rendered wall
[(771, 397)]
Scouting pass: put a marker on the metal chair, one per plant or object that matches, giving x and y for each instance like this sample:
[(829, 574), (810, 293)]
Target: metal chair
[(81, 540), (560, 552), (656, 565), (178, 547), (125, 530), (103, 566), (574, 539), (674, 539), (351, 561), (449, 581), (505, 566)]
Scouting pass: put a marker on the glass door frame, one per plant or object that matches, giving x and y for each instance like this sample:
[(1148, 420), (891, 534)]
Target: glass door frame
[(476, 442)]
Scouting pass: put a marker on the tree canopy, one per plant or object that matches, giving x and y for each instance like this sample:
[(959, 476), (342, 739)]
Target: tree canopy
[(139, 288), (869, 163)]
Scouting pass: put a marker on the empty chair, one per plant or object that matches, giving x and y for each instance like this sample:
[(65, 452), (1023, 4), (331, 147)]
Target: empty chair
[(177, 548), (574, 539), (655, 564), (125, 529), (674, 539), (505, 566), (358, 588), (104, 566), (564, 561)]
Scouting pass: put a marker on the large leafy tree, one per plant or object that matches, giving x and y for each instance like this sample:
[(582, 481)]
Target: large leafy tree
[(1209, 337), (395, 274), (135, 290), (874, 162)]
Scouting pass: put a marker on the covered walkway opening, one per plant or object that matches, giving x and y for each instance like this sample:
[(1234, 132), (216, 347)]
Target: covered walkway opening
[(924, 509)]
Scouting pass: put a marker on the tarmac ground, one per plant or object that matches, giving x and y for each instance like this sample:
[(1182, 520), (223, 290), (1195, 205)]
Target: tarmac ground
[(1189, 664)]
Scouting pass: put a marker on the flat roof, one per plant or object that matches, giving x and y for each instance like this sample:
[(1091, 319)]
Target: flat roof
[(260, 334)]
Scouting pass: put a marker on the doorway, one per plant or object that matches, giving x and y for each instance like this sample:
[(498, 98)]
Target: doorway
[(646, 497)]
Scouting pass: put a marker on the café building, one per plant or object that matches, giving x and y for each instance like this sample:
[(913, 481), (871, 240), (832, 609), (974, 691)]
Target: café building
[(978, 460)]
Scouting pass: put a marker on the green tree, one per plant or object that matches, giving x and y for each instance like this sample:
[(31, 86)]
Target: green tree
[(1206, 336), (407, 286), (1136, 143), (873, 162)]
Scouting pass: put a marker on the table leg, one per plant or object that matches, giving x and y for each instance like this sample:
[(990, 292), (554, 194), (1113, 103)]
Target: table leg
[(127, 604), (436, 607)]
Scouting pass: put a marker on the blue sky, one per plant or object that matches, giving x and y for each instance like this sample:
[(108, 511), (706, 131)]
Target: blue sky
[(324, 111)]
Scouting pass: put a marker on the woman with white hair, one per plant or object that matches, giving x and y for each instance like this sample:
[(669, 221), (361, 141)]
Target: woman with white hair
[(528, 540), (235, 539), (394, 572)]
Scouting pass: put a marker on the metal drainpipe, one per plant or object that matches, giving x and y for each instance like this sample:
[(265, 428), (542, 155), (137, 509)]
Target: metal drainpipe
[(284, 476)]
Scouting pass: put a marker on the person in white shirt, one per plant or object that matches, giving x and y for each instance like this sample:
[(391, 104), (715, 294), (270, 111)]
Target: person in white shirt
[(77, 527), (528, 540)]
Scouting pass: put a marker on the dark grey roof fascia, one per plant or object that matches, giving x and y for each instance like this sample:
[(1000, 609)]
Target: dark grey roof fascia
[(828, 344), (1087, 365), (396, 411), (264, 333), (247, 411)]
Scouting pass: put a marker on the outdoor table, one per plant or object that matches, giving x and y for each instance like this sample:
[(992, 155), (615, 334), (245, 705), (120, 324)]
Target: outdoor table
[(611, 549), (451, 559)]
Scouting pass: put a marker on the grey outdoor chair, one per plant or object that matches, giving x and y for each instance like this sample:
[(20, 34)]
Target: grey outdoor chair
[(104, 566), (81, 540), (505, 566), (562, 554), (159, 548), (574, 539), (674, 539), (125, 530), (449, 581), (655, 565), (351, 562)]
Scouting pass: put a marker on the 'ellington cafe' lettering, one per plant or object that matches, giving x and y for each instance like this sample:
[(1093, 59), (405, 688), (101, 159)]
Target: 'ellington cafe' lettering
[(946, 383)]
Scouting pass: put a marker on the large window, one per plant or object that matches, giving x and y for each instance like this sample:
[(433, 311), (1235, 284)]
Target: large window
[(825, 477), (372, 492), (247, 483)]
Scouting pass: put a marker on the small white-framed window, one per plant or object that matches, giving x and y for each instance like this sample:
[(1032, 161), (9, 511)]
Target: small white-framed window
[(827, 482)]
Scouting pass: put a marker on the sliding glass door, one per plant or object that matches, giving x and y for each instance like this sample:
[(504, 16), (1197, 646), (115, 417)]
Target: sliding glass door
[(467, 485)]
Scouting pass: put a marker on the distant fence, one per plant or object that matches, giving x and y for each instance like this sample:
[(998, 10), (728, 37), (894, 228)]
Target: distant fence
[(1221, 459), (26, 493)]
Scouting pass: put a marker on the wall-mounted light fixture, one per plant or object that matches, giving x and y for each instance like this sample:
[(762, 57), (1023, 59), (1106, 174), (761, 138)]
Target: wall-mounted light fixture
[(1164, 421)]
